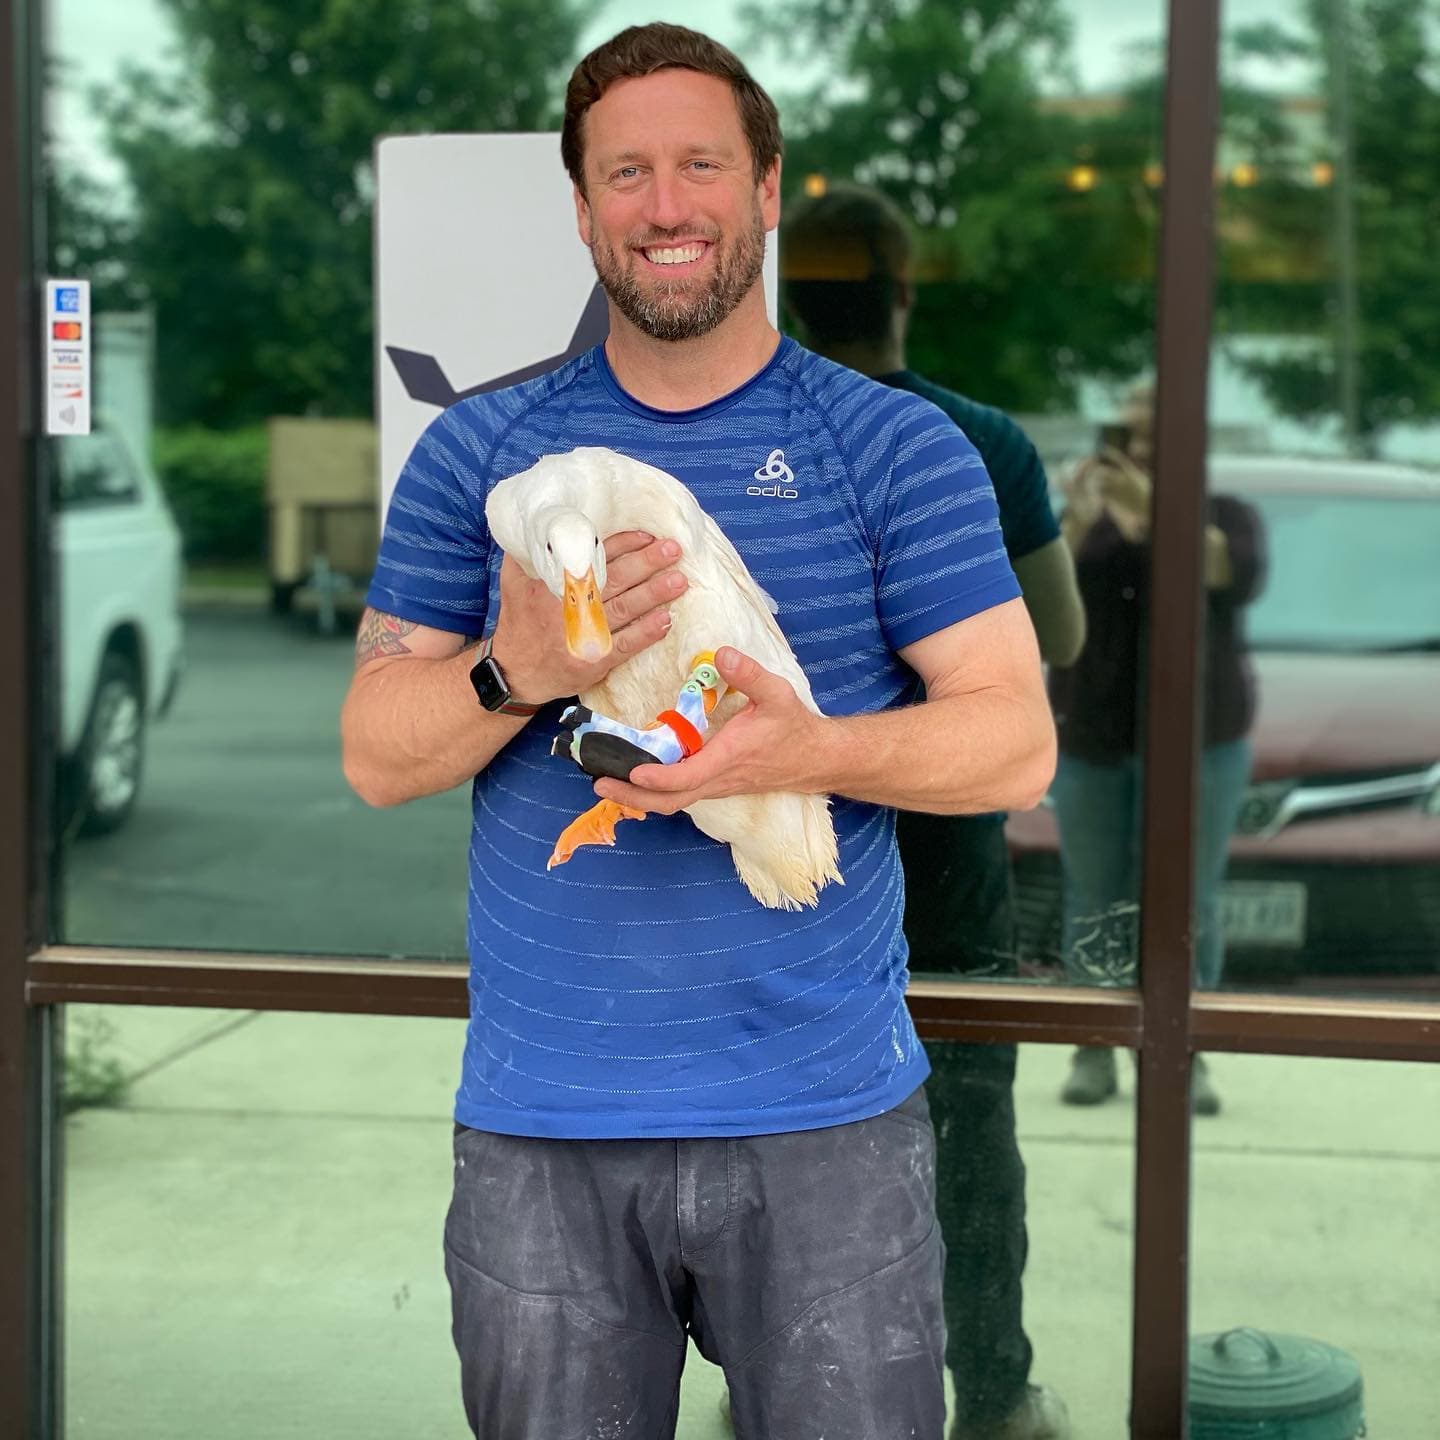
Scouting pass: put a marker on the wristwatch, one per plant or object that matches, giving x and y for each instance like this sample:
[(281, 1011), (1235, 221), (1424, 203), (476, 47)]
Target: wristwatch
[(491, 688)]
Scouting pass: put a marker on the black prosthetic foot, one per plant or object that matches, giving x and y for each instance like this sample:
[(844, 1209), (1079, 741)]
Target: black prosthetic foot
[(564, 743), (612, 755)]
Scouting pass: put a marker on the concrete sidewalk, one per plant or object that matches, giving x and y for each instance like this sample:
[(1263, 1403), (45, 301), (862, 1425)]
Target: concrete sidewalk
[(253, 1241)]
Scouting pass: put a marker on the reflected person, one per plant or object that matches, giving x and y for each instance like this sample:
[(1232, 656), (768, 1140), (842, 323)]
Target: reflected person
[(1096, 793), (847, 259)]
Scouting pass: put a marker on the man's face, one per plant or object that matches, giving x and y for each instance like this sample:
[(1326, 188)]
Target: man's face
[(674, 218)]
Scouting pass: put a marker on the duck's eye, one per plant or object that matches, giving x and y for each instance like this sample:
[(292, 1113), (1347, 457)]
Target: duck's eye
[(549, 548)]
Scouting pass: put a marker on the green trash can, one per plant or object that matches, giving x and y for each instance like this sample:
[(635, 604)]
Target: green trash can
[(1247, 1385)]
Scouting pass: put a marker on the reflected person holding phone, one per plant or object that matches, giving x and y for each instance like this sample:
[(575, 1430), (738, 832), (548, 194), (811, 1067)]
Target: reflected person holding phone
[(1099, 721)]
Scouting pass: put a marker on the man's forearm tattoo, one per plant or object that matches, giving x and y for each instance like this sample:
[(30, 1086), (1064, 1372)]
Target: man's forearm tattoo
[(381, 634)]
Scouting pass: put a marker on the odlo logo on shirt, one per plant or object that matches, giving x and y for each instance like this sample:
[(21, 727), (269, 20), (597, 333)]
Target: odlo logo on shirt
[(781, 476)]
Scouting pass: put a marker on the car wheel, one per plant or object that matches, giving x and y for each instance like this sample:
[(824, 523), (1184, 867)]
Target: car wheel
[(112, 756)]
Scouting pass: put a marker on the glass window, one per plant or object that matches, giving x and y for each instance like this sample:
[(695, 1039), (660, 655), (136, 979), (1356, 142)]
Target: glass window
[(95, 469), (254, 1205), (1036, 1206), (1359, 574), (253, 1209), (213, 176), (1314, 1221), (1010, 279), (245, 833), (1319, 820)]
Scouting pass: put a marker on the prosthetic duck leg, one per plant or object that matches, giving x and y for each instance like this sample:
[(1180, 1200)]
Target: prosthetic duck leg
[(602, 746)]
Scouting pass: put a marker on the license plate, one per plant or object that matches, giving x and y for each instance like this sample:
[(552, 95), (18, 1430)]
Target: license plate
[(1257, 912)]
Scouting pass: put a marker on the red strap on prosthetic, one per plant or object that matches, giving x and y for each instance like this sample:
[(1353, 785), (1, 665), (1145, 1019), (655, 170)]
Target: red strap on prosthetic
[(689, 737)]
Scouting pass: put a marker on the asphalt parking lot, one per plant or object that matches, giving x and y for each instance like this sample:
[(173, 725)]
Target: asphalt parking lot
[(246, 836)]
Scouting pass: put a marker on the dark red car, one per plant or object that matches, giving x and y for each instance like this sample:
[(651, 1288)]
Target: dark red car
[(1335, 866)]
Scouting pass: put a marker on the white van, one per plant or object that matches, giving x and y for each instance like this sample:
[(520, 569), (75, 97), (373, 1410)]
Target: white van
[(118, 560)]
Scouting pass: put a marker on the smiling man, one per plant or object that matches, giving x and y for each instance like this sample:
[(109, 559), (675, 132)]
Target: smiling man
[(682, 1114), (676, 281)]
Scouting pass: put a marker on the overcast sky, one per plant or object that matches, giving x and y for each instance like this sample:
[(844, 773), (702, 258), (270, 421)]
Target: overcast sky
[(94, 38)]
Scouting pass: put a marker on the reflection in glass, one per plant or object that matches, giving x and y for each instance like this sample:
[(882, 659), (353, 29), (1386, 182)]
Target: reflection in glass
[(1097, 787), (222, 194), (888, 277), (1338, 860), (1314, 1217), (246, 835), (1001, 125), (849, 266), (1027, 1273), (117, 551), (1324, 419), (1099, 776), (253, 1206), (210, 171)]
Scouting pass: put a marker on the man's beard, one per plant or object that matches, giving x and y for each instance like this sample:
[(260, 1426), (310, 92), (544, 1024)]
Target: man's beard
[(690, 307)]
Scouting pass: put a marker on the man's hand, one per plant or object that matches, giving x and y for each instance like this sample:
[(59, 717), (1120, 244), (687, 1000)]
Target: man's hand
[(982, 741), (772, 744), (640, 583)]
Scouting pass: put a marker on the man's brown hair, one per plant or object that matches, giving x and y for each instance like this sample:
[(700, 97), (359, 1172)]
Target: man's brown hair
[(642, 50)]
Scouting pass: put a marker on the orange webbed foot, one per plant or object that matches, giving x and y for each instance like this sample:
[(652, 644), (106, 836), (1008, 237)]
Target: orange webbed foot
[(595, 827)]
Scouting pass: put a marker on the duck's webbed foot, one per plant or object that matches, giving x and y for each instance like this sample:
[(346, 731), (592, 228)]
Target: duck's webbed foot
[(595, 827)]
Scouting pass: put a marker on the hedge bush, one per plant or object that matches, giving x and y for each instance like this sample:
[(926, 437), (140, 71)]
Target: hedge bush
[(215, 482)]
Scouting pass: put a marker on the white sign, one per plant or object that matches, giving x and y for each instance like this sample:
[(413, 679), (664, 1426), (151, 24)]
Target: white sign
[(481, 279), (66, 345)]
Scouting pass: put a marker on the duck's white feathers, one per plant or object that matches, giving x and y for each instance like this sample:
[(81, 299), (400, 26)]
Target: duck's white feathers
[(783, 844)]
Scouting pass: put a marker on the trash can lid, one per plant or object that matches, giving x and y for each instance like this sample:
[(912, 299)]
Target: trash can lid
[(1246, 1374)]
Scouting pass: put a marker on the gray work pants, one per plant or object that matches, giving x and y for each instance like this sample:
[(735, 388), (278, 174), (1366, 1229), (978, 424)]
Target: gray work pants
[(808, 1265)]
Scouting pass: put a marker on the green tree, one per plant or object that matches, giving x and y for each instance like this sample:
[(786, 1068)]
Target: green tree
[(1035, 223), (1352, 259), (250, 169)]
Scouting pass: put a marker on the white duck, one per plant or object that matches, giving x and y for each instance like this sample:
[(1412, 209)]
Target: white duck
[(553, 519)]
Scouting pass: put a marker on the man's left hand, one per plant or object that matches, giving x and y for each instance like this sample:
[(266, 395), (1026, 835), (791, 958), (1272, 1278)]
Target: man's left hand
[(774, 743)]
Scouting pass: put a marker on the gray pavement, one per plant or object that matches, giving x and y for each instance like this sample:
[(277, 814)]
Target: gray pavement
[(253, 1240), (246, 836)]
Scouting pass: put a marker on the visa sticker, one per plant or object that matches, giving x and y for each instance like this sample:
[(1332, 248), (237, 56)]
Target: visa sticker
[(66, 341)]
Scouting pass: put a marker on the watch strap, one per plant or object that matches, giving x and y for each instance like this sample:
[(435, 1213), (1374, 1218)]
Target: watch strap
[(510, 705)]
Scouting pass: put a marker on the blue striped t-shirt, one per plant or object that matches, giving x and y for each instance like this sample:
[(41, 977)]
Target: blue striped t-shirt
[(641, 990)]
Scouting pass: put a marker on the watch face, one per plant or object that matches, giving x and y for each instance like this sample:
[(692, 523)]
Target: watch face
[(490, 686)]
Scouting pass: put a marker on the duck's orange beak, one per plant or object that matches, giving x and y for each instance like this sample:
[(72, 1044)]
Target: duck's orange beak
[(587, 632)]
